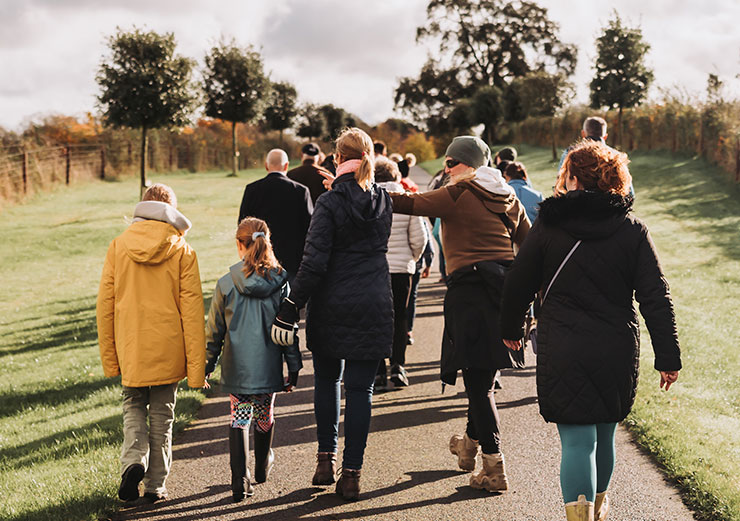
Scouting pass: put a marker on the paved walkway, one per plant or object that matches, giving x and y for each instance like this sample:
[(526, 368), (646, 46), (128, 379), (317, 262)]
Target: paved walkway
[(409, 473)]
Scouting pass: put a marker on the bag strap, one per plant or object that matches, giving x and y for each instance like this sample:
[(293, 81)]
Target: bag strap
[(552, 281), (509, 225)]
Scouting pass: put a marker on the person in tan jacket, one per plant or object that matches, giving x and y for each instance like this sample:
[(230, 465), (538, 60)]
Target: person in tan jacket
[(482, 221), (151, 331)]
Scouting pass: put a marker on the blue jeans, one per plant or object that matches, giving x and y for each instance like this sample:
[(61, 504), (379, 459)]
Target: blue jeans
[(359, 376)]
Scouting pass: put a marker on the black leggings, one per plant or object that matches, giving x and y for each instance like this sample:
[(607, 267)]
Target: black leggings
[(483, 419)]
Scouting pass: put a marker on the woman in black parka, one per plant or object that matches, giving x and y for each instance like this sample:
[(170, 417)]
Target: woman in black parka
[(344, 278), (588, 333)]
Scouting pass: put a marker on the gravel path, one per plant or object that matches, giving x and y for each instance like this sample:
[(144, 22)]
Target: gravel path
[(409, 473)]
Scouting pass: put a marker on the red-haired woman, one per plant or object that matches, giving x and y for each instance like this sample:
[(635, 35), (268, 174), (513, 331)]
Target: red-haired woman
[(591, 255)]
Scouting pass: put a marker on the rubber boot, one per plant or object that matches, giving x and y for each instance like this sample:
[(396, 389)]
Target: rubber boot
[(465, 449), (239, 461), (264, 456), (326, 468), (601, 506), (348, 485), (580, 510), (492, 477)]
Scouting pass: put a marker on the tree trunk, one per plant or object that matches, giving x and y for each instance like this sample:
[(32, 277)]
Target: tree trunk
[(144, 142), (552, 138), (234, 151), (281, 138)]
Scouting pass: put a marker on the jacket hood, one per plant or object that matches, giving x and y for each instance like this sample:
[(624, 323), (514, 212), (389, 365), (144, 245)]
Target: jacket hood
[(586, 215), (489, 186), (159, 211), (254, 285), (364, 208), (151, 242)]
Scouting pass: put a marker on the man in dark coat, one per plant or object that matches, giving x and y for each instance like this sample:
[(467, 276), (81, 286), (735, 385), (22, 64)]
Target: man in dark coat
[(309, 173), (284, 205)]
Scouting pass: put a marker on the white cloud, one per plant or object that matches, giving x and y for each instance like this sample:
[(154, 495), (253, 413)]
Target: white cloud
[(350, 53)]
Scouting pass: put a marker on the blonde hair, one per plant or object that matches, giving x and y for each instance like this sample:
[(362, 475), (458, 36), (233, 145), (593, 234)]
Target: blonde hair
[(597, 166), (354, 143), (160, 192), (259, 257)]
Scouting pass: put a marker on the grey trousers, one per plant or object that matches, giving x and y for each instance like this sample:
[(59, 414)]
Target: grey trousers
[(149, 443)]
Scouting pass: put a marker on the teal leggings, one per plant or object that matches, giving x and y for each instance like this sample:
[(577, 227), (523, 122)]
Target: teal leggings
[(588, 458)]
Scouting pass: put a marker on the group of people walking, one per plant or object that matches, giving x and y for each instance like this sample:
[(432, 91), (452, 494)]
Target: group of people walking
[(586, 255)]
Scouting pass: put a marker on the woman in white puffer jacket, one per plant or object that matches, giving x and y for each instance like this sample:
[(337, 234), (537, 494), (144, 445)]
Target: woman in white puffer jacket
[(405, 246)]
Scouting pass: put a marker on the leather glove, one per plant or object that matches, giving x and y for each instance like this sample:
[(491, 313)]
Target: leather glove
[(292, 381), (284, 325)]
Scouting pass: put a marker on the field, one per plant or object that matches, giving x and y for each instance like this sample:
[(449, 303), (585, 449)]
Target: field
[(60, 423)]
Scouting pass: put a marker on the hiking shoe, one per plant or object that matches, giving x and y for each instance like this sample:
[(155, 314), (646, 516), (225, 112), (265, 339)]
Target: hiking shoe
[(381, 383), (398, 376), (492, 477), (130, 479), (466, 450)]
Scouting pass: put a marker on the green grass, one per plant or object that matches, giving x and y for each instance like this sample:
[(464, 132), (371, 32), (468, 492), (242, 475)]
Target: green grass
[(693, 430), (60, 419)]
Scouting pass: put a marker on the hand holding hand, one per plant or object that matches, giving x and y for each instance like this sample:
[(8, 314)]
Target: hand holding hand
[(206, 385), (667, 378), (515, 345), (283, 327), (328, 179), (425, 272)]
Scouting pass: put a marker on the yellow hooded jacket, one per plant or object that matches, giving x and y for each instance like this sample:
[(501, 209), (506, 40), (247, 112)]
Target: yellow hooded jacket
[(150, 308)]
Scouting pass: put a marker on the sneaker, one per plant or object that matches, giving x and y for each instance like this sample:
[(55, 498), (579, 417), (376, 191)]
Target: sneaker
[(410, 339), (398, 376), (132, 476), (149, 498)]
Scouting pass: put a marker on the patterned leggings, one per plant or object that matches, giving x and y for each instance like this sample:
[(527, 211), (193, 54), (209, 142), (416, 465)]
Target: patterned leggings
[(248, 407)]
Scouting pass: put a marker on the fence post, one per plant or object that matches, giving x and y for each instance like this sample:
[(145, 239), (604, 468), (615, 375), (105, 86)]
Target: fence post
[(67, 164), (25, 171), (102, 163)]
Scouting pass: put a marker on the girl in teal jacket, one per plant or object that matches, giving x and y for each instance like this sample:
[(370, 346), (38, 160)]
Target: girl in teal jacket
[(244, 305)]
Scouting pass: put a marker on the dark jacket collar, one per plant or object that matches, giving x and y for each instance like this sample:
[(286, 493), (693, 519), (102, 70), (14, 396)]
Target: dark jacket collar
[(585, 214)]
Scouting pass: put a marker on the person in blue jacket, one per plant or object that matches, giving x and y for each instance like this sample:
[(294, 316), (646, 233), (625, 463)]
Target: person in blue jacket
[(345, 280), (244, 305), (516, 176)]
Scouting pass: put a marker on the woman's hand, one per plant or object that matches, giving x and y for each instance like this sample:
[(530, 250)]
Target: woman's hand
[(668, 378), (514, 345), (328, 179), (206, 385), (426, 272)]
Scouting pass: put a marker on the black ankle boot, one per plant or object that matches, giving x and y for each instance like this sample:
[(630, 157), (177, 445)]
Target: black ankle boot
[(238, 453), (264, 457)]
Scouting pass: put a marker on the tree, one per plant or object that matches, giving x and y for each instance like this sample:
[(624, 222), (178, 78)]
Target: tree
[(281, 108), (335, 119), (145, 85), (622, 78), (538, 94), (312, 124), (487, 107), (482, 43), (235, 87)]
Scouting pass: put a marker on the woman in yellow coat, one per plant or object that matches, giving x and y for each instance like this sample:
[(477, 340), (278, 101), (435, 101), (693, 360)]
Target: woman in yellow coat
[(151, 331)]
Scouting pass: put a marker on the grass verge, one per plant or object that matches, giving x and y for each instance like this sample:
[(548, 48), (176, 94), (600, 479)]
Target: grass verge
[(693, 430), (60, 419)]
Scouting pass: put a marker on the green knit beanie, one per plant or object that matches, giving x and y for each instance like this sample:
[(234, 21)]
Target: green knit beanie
[(469, 150)]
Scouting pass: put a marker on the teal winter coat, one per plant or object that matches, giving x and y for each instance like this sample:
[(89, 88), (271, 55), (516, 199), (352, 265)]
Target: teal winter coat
[(239, 322)]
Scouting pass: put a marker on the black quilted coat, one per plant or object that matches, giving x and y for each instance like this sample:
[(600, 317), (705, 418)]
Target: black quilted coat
[(344, 273), (588, 333)]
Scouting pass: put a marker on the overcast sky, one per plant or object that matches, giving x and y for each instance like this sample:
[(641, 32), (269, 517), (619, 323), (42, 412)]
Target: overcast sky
[(346, 52)]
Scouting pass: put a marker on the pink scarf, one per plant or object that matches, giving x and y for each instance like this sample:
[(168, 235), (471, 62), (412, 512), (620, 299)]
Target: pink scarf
[(351, 165)]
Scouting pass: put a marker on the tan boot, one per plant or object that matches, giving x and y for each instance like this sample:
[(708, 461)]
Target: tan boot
[(580, 510), (601, 506), (466, 450), (492, 477)]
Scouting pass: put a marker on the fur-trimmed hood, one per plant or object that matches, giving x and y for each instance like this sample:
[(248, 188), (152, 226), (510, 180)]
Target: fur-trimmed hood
[(585, 214)]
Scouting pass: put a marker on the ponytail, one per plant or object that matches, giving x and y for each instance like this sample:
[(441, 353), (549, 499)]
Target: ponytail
[(254, 235), (365, 174)]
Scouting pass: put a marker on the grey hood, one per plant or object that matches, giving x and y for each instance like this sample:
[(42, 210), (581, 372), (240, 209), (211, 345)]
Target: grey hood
[(159, 211)]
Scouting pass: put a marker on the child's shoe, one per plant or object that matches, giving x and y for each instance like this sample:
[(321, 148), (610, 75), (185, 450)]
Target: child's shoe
[(264, 456)]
